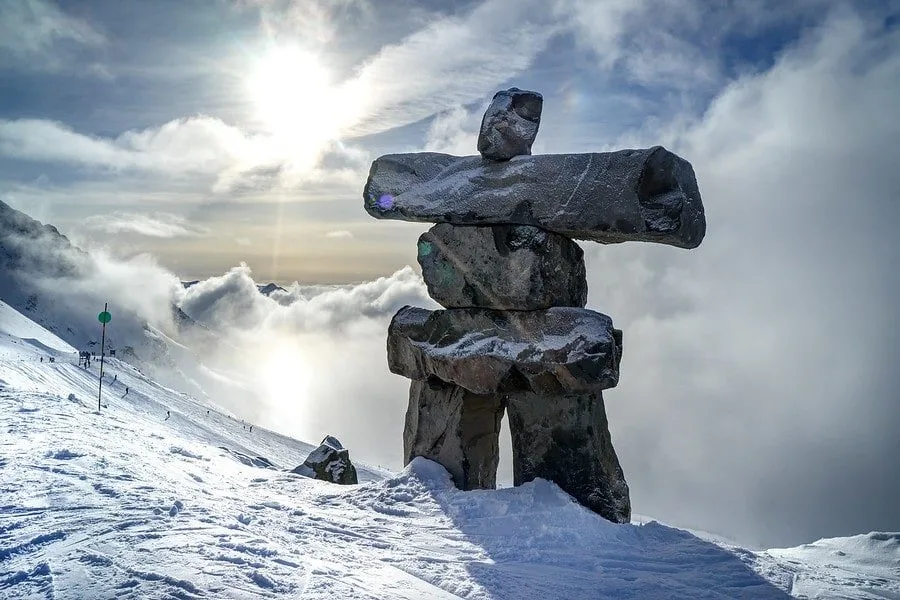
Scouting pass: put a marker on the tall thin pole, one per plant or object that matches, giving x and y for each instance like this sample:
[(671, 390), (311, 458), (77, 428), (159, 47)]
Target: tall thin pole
[(102, 346)]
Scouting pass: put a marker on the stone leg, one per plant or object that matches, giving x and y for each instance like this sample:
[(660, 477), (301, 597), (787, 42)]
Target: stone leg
[(565, 439), (455, 428)]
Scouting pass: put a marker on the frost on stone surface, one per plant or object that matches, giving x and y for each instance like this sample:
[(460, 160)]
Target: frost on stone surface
[(329, 462), (487, 351), (648, 195)]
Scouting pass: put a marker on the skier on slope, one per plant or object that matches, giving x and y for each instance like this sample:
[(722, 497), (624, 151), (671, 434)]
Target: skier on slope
[(167, 416)]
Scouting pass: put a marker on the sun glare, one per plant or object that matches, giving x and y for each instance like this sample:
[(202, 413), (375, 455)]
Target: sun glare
[(285, 378), (293, 96)]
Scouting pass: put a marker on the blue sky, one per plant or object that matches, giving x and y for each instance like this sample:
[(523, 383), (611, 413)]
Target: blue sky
[(758, 395), (201, 116)]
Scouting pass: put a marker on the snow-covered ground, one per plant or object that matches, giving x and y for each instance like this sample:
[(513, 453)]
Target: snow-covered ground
[(122, 503)]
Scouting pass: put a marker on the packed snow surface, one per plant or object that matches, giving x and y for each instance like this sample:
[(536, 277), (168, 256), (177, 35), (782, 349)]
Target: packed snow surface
[(127, 503)]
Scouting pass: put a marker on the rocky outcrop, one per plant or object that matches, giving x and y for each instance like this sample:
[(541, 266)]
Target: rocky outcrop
[(565, 439), (515, 334), (510, 124), (504, 267), (648, 195), (329, 462), (486, 351), (456, 428), (269, 289), (29, 247)]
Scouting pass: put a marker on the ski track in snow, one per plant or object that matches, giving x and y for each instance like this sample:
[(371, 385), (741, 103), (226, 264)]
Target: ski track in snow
[(122, 504)]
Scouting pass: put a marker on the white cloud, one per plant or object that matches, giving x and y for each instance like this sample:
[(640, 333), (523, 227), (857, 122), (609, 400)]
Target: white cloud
[(340, 234), (197, 146), (294, 343), (451, 61), (29, 30), (455, 131), (756, 394), (162, 225), (231, 301), (242, 241), (672, 43), (315, 19)]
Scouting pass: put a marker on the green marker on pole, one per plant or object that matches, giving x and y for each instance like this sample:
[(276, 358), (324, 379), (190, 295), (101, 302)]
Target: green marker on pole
[(104, 318)]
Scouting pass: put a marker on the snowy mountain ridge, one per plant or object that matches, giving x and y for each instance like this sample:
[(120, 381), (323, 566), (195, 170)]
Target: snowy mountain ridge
[(62, 288), (127, 503)]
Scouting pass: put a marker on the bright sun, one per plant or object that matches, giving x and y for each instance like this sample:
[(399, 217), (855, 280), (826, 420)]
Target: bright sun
[(293, 96), (284, 377)]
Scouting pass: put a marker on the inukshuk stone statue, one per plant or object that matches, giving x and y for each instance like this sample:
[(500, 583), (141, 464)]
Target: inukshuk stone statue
[(515, 335)]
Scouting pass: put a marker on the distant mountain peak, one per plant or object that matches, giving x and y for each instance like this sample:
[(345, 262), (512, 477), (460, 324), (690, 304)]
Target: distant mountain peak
[(264, 289), (269, 288), (26, 244)]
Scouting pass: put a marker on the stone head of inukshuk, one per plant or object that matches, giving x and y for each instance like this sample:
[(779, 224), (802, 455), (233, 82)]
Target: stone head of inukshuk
[(515, 335)]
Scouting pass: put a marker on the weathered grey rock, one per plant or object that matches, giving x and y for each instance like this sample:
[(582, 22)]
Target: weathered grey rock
[(510, 124), (646, 195), (486, 351), (565, 439), (505, 267), (455, 428), (329, 462)]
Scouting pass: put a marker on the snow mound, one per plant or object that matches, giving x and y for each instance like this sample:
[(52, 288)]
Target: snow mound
[(868, 564)]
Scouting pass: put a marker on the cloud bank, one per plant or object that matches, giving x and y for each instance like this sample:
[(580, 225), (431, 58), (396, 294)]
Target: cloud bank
[(758, 396), (160, 225)]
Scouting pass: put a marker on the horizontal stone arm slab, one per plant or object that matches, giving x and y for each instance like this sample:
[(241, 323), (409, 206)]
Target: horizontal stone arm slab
[(648, 195), (485, 351)]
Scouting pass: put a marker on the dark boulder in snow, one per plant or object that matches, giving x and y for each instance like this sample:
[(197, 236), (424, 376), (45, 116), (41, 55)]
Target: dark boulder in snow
[(565, 439), (455, 428), (506, 267), (552, 351), (510, 124), (647, 195), (329, 462)]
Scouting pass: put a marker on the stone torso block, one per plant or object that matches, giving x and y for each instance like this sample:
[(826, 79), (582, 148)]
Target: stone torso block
[(504, 267)]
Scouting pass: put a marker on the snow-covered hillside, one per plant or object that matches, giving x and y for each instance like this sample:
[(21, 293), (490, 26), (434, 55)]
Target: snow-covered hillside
[(62, 288), (123, 503)]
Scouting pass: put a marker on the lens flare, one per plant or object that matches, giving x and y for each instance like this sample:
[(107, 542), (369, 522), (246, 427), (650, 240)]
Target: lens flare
[(385, 202)]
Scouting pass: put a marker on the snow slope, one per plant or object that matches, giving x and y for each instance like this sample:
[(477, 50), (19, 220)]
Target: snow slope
[(16, 328), (123, 503)]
